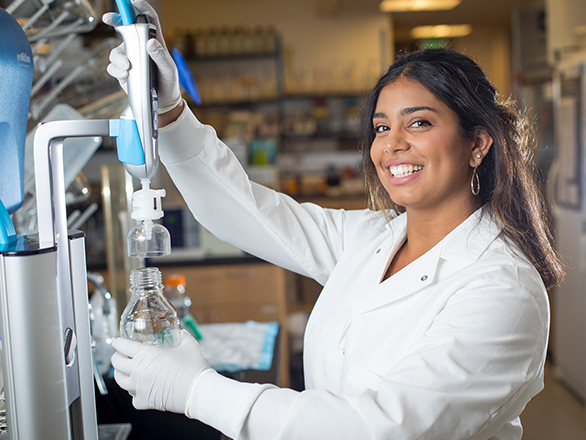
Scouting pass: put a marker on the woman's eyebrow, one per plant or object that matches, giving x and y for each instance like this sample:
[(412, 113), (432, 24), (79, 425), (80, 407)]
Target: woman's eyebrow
[(410, 110), (405, 111)]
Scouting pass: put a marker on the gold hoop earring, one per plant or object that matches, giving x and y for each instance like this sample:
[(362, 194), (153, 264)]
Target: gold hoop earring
[(475, 182)]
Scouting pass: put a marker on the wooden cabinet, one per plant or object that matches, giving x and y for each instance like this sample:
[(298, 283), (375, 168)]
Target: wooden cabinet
[(234, 292)]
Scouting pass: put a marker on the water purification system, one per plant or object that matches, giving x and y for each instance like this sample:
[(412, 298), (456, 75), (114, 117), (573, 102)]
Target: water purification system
[(44, 320)]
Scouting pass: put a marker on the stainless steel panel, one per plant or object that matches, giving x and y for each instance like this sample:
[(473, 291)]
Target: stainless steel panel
[(82, 330), (32, 348)]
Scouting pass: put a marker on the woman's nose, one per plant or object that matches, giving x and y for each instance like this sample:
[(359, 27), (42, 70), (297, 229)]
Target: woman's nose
[(394, 142)]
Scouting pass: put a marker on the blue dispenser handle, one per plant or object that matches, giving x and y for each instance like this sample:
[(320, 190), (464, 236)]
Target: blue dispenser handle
[(126, 12)]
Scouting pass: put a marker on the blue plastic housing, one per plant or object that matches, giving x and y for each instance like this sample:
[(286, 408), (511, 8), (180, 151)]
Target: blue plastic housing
[(186, 79), (7, 232), (127, 141), (16, 77)]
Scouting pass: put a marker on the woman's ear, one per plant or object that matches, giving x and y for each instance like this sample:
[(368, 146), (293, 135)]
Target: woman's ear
[(482, 143)]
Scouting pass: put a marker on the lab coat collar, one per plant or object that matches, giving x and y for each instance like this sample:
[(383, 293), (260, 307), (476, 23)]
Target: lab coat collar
[(464, 245), (470, 239)]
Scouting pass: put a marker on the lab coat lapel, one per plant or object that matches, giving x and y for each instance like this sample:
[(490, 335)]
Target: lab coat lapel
[(409, 280), (462, 246)]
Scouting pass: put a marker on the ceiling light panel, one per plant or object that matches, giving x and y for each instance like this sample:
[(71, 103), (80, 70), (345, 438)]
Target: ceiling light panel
[(417, 5), (440, 31)]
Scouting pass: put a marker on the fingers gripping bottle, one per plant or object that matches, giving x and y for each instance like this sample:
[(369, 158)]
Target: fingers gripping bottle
[(149, 318)]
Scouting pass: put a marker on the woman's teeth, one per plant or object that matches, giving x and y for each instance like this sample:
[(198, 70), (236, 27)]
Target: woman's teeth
[(405, 170)]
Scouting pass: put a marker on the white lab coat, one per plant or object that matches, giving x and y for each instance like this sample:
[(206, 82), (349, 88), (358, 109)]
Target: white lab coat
[(451, 347)]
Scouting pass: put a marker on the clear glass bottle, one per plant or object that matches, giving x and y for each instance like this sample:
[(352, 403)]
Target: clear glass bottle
[(148, 317)]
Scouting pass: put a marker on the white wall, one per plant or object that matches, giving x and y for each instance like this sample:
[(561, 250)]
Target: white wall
[(491, 49), (566, 28), (355, 38), (352, 39)]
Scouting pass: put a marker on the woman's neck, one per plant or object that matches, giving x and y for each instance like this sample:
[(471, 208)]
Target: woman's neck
[(426, 229)]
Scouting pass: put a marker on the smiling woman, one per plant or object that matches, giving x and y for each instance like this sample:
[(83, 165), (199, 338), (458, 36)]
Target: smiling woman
[(425, 162), (444, 106)]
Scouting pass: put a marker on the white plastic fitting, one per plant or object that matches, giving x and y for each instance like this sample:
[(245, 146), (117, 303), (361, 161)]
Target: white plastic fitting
[(146, 204), (148, 239)]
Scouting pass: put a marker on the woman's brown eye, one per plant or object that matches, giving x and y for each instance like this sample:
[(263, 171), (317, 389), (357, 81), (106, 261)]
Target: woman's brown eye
[(421, 123)]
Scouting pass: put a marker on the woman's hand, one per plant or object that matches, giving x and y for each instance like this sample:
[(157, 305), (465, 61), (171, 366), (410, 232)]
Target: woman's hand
[(158, 378), (168, 90)]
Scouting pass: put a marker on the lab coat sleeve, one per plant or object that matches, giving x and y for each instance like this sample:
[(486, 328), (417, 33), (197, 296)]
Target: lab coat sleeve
[(472, 371), (303, 238)]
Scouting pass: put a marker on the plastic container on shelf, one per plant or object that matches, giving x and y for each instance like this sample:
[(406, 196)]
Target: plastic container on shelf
[(149, 317), (175, 293)]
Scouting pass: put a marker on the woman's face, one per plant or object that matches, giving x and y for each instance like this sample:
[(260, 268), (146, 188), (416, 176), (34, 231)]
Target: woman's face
[(421, 154)]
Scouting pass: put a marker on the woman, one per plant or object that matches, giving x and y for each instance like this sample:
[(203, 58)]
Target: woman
[(433, 321)]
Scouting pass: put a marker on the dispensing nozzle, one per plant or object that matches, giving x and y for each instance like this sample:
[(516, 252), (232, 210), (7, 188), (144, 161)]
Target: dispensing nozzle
[(148, 239)]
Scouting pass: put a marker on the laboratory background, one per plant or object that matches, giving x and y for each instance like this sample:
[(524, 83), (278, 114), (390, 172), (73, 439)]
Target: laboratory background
[(282, 82)]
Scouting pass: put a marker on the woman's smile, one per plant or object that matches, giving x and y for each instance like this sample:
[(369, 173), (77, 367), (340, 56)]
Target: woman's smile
[(404, 170)]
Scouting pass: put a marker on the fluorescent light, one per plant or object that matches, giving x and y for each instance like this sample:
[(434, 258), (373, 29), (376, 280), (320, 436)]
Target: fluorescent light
[(417, 5), (440, 31)]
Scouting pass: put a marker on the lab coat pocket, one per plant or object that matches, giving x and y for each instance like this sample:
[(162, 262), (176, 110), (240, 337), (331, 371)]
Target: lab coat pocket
[(360, 379)]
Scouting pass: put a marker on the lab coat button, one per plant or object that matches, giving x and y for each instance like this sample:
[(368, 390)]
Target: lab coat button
[(424, 277), (378, 251)]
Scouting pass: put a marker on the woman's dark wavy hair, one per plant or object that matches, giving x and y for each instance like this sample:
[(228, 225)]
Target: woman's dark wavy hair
[(507, 174)]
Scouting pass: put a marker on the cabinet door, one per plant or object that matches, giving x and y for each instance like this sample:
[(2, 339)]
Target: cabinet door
[(261, 313)]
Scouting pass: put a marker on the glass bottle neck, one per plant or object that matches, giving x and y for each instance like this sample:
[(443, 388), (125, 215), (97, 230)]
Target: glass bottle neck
[(146, 280)]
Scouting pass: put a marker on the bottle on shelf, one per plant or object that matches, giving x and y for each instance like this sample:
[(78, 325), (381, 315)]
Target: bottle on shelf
[(211, 49), (247, 41), (258, 41), (223, 44), (271, 40), (175, 293), (236, 41), (201, 37), (148, 317)]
